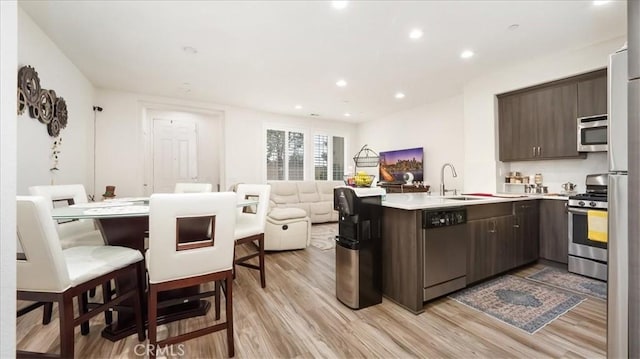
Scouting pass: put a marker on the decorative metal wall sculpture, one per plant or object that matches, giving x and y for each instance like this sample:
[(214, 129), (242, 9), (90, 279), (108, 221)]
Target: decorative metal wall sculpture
[(44, 105)]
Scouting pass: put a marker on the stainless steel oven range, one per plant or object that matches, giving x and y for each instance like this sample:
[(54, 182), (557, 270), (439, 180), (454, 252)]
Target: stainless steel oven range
[(587, 257)]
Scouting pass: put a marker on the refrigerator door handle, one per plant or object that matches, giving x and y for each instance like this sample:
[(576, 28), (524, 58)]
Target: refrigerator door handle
[(618, 267)]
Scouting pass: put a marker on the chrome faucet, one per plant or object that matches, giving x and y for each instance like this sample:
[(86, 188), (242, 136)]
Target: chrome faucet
[(444, 191)]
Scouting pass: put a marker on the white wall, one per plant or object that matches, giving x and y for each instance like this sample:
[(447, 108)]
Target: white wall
[(480, 114), (120, 155), (56, 72), (437, 127), (8, 74)]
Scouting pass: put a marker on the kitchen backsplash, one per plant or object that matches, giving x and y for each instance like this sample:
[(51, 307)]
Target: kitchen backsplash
[(557, 172)]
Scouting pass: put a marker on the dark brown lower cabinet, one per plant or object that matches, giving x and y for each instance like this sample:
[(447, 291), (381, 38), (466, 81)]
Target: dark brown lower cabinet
[(554, 230), (490, 248), (481, 249), (501, 237), (526, 232)]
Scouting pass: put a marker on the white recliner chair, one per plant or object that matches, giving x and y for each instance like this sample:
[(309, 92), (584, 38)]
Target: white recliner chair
[(287, 228)]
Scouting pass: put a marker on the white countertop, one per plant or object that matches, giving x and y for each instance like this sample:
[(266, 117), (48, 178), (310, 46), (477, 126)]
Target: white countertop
[(421, 200)]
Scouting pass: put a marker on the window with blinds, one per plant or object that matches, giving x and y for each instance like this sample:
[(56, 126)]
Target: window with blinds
[(328, 157), (285, 155)]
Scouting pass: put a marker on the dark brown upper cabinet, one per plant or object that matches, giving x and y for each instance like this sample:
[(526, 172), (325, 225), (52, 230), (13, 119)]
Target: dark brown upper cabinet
[(540, 122), (592, 95)]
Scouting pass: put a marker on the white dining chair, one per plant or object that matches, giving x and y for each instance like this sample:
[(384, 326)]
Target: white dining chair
[(193, 187), (191, 243), (72, 233), (251, 224), (48, 273)]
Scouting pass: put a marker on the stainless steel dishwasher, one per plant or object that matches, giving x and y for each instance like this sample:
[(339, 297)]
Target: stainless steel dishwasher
[(445, 251)]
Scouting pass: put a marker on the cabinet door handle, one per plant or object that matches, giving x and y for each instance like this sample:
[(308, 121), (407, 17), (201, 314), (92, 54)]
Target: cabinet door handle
[(493, 230), (539, 151), (516, 226), (534, 151)]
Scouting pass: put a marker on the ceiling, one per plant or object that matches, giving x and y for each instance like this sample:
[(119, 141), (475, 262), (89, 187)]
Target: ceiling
[(274, 55)]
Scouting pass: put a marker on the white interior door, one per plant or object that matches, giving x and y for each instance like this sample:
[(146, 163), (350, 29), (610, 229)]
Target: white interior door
[(175, 154)]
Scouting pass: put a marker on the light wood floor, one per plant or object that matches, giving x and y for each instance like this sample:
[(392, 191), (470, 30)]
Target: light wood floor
[(298, 315)]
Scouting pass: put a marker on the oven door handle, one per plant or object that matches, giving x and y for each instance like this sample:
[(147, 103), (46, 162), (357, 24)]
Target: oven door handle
[(581, 211)]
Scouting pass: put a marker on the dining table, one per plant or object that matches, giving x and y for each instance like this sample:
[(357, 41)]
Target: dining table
[(125, 222)]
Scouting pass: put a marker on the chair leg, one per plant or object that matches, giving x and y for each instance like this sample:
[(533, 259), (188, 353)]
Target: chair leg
[(84, 308), (152, 320), (217, 289), (47, 311), (263, 281), (92, 292), (137, 301), (65, 309), (106, 296), (229, 315), (234, 262)]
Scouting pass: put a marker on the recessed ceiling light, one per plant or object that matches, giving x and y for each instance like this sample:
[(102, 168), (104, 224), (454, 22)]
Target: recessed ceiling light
[(298, 107), (339, 5), (399, 95), (416, 34), (466, 54), (347, 114), (341, 83), (190, 50), (600, 2)]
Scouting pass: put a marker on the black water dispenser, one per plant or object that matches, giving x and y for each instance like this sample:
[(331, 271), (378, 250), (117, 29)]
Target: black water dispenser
[(358, 246)]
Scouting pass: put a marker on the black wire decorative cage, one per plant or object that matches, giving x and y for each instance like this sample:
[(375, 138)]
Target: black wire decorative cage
[(366, 157)]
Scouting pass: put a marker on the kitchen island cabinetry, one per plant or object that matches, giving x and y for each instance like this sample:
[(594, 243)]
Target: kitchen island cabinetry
[(421, 262), (403, 257), (554, 230)]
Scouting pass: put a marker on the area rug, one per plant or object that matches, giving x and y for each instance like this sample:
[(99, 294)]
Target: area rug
[(521, 303), (565, 280), (323, 235)]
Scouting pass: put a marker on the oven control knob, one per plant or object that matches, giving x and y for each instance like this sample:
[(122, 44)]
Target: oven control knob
[(581, 203), (593, 204)]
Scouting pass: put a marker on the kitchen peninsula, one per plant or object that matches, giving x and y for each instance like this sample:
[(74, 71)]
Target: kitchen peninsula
[(435, 245)]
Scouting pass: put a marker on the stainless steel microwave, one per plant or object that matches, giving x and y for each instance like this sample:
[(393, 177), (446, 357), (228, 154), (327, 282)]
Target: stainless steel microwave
[(592, 133)]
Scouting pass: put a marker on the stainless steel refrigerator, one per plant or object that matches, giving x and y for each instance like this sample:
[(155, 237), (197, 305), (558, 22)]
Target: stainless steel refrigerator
[(618, 190), (623, 302), (633, 31)]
